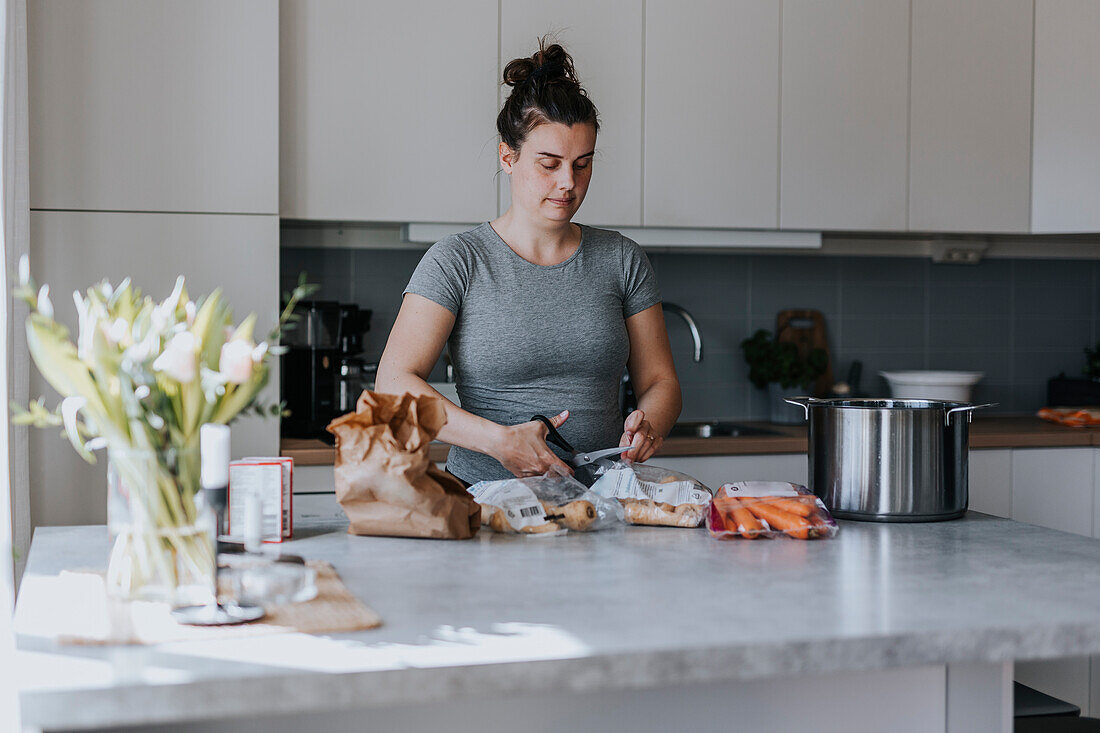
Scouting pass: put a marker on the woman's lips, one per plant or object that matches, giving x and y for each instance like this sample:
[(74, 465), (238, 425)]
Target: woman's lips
[(560, 202)]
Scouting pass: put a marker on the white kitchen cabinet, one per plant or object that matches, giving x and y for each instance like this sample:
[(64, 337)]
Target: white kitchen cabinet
[(139, 105), (712, 114), (844, 107), (970, 116), (990, 485), (1096, 495), (1066, 679), (1094, 685), (1053, 487), (387, 110), (714, 471), (606, 42), (74, 250), (1056, 488), (1066, 144)]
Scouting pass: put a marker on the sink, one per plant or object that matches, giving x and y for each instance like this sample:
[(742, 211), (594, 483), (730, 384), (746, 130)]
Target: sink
[(716, 429)]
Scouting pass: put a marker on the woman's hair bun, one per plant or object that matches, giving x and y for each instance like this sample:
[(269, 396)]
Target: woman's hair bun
[(550, 63), (545, 88)]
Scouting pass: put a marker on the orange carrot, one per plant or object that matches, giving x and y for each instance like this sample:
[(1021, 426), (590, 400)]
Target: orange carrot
[(792, 505), (743, 520), (791, 524)]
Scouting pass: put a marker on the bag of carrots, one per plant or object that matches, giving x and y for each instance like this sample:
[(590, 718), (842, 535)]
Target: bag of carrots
[(752, 509)]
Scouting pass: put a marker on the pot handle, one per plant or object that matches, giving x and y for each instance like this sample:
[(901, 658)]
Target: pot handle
[(968, 409), (803, 402)]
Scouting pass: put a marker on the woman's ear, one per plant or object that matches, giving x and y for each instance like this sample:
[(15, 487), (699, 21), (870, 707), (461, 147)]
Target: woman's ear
[(507, 157)]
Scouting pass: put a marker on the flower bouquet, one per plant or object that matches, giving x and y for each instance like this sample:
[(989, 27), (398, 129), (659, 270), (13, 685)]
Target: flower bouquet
[(140, 380)]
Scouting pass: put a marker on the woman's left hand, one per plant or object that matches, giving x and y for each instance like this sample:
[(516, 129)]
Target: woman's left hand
[(640, 436)]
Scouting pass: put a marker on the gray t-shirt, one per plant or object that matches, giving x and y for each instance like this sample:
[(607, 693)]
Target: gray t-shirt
[(531, 339)]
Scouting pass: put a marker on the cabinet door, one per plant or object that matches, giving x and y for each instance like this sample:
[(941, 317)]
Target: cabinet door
[(1066, 147), (387, 110), (991, 482), (1053, 487), (844, 112), (1066, 679), (605, 40), (711, 114), (154, 106), (970, 116), (74, 250)]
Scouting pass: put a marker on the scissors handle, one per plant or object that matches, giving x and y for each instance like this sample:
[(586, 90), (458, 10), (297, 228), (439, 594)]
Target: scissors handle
[(553, 436)]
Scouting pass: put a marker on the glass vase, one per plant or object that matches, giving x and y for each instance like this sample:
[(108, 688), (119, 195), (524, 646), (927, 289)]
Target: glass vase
[(163, 532)]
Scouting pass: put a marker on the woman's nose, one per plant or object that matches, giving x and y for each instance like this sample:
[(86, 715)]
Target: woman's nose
[(565, 180)]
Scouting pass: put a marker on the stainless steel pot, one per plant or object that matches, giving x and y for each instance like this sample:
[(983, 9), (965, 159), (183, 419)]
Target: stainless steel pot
[(889, 460)]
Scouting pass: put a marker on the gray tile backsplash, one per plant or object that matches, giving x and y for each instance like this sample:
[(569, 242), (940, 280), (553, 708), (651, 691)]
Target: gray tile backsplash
[(1021, 321)]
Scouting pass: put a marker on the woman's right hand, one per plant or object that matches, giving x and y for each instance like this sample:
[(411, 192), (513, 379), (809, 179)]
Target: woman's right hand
[(522, 448)]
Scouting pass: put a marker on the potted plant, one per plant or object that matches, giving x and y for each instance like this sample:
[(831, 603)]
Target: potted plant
[(1063, 391), (780, 369)]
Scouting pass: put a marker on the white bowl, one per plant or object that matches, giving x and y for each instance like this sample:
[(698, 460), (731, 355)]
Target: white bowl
[(932, 385)]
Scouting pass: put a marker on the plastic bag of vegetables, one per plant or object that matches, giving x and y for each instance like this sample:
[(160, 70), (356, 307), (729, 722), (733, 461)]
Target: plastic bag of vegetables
[(753, 509), (653, 495), (542, 505)]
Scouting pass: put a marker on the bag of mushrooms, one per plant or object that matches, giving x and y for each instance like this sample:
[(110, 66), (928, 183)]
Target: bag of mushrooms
[(544, 505), (653, 495)]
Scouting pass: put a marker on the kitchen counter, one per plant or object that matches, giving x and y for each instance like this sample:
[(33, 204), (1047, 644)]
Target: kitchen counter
[(985, 432), (504, 620)]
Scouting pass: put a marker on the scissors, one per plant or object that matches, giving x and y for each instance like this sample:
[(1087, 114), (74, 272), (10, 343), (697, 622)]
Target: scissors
[(578, 459)]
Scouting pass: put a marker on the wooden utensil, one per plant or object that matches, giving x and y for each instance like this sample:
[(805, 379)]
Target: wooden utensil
[(806, 330)]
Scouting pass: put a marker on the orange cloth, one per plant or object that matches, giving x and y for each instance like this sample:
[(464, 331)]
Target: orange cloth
[(1074, 417)]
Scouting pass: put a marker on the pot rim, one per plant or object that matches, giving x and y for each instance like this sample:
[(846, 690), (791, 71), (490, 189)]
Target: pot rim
[(884, 403)]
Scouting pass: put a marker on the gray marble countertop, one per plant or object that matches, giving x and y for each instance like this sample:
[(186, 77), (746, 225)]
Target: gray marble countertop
[(632, 607)]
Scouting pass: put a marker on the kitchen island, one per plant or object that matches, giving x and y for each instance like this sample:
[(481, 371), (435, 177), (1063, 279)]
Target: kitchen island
[(885, 627)]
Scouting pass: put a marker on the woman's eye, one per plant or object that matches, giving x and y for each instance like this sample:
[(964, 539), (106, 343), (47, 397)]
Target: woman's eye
[(549, 167), (581, 166)]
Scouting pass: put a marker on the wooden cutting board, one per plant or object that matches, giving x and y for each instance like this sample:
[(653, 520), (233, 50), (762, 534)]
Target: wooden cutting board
[(806, 330)]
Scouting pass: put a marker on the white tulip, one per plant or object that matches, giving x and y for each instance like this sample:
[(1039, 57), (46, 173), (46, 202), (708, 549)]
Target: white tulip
[(118, 331), (235, 363), (259, 352), (179, 360), (85, 328), (164, 315), (45, 305), (70, 406)]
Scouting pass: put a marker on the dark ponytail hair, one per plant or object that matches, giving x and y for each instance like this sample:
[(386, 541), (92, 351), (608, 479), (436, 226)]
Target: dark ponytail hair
[(544, 89)]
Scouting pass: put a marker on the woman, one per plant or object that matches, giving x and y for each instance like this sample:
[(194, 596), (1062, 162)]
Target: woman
[(541, 314)]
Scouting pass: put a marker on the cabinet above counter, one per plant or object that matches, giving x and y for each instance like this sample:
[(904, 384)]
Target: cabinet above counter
[(990, 432), (856, 115)]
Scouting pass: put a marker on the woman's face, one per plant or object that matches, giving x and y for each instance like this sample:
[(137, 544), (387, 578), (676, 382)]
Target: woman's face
[(551, 173)]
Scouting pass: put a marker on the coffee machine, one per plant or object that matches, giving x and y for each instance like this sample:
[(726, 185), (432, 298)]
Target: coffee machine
[(320, 374)]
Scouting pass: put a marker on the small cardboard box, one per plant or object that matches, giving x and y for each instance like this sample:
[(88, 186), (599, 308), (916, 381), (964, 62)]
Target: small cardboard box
[(272, 479), (287, 488)]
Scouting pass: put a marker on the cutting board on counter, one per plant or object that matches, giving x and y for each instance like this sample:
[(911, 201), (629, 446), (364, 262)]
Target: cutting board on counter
[(806, 330)]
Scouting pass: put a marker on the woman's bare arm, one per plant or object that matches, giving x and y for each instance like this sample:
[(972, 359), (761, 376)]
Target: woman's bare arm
[(414, 345), (654, 377)]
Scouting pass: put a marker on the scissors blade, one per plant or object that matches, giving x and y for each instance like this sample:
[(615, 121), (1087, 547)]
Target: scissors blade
[(583, 459)]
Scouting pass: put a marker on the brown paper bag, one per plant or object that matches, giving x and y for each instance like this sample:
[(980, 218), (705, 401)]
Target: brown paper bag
[(384, 480)]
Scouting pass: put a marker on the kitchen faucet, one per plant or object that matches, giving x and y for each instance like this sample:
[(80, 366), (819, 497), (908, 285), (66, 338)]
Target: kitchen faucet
[(627, 398), (690, 321)]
